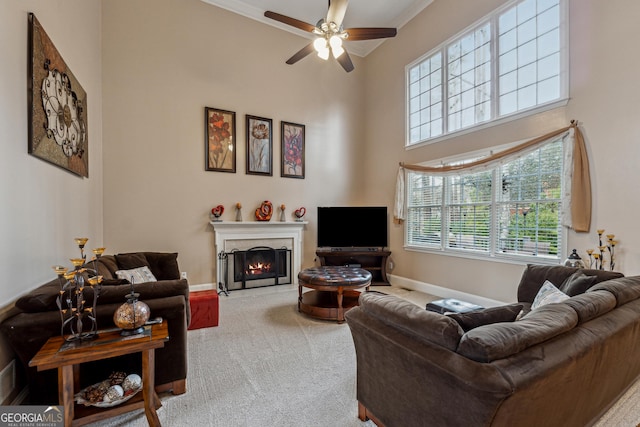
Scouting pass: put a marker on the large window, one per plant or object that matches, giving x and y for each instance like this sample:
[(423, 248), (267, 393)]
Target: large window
[(511, 62), (509, 211)]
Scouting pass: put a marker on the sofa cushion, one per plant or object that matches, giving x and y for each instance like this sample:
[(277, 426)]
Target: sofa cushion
[(500, 340), (535, 275), (137, 275), (487, 316), (422, 324), (164, 265), (592, 304), (107, 266), (577, 283), (130, 261), (625, 289), (548, 294), (42, 298)]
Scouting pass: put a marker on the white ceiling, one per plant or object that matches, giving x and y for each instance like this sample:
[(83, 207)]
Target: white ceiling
[(360, 13)]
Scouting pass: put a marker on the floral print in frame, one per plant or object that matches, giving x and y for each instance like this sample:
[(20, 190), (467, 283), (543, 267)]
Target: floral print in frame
[(259, 146), (292, 135), (220, 140)]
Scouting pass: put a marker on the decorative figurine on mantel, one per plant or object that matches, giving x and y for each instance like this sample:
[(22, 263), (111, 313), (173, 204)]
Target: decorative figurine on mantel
[(283, 217), (264, 212), (217, 213), (299, 213), (239, 212)]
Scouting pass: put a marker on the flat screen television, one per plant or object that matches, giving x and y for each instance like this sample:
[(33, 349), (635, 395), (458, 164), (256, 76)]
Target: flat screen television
[(352, 227)]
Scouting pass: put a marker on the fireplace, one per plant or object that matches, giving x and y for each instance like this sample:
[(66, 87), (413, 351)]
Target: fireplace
[(256, 267), (232, 237)]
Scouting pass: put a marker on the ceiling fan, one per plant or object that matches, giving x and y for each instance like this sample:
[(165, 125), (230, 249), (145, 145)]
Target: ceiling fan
[(331, 34)]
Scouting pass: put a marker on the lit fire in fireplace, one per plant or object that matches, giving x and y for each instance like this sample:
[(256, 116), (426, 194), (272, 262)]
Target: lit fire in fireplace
[(258, 268)]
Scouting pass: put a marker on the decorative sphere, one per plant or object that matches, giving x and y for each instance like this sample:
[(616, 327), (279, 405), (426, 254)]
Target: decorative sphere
[(114, 392), (132, 314), (132, 381)]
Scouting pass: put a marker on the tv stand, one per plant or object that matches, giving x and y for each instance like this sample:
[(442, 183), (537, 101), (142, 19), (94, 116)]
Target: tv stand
[(374, 261)]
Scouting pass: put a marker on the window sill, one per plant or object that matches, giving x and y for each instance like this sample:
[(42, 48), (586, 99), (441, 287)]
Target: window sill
[(503, 259)]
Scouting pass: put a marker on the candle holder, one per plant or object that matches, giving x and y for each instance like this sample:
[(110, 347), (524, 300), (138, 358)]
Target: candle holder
[(75, 314), (597, 257)]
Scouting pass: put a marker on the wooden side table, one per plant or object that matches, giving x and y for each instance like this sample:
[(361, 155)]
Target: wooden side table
[(66, 357)]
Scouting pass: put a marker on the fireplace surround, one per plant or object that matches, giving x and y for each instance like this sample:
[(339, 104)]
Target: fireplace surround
[(231, 237)]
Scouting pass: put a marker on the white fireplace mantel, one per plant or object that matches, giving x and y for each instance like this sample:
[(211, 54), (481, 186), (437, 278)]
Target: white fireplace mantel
[(257, 230)]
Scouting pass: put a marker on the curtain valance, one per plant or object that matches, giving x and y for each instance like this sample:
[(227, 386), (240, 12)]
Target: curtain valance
[(576, 195)]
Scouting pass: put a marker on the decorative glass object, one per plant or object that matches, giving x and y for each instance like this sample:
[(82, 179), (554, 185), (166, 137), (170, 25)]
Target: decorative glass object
[(132, 315), (283, 217), (574, 260), (264, 212), (299, 213), (239, 212), (75, 313), (217, 213)]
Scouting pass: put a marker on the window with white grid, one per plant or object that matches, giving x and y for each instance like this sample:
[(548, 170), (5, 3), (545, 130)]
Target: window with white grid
[(510, 63), (509, 211)]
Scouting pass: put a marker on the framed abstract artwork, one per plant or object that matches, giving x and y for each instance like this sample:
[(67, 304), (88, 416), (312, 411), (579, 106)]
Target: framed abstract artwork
[(220, 140), (292, 135), (259, 146), (57, 106)]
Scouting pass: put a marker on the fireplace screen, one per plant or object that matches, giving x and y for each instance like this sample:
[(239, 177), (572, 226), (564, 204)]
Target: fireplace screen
[(257, 267)]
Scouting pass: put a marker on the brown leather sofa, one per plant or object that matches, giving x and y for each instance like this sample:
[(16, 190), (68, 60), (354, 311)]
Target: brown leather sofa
[(35, 318), (563, 364)]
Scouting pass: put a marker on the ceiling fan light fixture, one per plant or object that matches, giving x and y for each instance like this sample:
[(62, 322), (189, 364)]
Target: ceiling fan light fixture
[(337, 51), (324, 54), (320, 44), (335, 42)]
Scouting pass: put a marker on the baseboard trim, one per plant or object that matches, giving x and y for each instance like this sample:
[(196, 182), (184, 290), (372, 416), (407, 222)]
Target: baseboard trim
[(440, 291), (202, 287)]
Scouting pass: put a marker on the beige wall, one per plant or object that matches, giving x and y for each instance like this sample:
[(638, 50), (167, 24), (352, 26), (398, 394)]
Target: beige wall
[(42, 207), (164, 61), (603, 98)]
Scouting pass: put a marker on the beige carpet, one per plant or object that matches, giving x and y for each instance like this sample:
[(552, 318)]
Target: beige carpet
[(267, 365)]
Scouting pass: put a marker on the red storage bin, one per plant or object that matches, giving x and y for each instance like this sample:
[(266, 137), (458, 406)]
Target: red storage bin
[(204, 309)]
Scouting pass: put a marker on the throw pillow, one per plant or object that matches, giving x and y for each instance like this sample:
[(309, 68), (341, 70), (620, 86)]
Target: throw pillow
[(137, 275), (487, 316), (131, 261), (548, 294), (577, 283)]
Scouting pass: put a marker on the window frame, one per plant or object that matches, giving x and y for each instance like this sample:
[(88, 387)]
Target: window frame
[(493, 253), (492, 19)]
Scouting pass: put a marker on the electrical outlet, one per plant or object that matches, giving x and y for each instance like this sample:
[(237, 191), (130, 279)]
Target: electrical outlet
[(183, 274)]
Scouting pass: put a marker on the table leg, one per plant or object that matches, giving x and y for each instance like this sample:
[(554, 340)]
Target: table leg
[(340, 309), (299, 295), (65, 392), (148, 388)]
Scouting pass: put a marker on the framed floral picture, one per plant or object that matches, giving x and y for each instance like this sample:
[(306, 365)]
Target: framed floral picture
[(292, 135), (259, 146), (220, 140)]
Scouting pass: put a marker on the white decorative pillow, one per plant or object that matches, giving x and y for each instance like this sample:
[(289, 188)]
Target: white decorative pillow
[(137, 275), (548, 294)]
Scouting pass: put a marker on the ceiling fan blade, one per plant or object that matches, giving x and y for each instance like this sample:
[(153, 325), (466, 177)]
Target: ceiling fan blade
[(356, 34), (301, 54), (345, 61), (290, 21), (337, 9)]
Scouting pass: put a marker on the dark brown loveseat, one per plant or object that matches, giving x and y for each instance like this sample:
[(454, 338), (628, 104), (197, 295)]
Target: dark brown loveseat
[(35, 318), (563, 364)]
